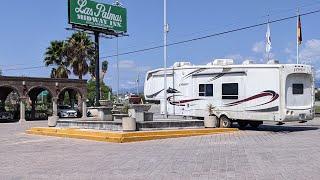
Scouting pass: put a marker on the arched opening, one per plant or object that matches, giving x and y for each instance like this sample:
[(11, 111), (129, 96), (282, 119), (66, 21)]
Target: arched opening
[(39, 104), (70, 103), (9, 104)]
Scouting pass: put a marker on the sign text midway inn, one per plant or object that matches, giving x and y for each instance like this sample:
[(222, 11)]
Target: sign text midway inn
[(92, 14)]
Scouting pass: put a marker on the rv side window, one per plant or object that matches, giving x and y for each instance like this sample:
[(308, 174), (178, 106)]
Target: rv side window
[(205, 89), (230, 91), (297, 88)]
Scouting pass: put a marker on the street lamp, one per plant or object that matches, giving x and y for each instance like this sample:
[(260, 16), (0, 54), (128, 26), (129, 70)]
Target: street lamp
[(165, 33)]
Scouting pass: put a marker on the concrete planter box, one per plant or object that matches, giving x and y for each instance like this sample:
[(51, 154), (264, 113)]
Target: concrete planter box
[(210, 122), (52, 121)]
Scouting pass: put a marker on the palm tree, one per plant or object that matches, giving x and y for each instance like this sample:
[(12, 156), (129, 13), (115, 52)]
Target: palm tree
[(80, 52), (55, 55)]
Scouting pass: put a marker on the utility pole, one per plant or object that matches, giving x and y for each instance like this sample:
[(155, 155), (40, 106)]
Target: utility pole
[(118, 71), (166, 30), (97, 69)]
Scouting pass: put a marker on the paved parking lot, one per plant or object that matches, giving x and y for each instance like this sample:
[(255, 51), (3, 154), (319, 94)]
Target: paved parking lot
[(274, 152)]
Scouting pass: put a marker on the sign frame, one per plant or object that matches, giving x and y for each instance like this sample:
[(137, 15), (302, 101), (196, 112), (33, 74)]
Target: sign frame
[(97, 28)]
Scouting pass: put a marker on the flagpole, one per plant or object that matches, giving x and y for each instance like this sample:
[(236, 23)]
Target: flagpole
[(269, 37), (166, 29), (297, 36)]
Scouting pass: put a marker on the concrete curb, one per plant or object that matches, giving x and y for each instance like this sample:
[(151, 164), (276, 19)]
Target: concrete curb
[(125, 137)]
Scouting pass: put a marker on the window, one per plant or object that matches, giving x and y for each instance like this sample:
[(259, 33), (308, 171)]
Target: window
[(297, 88), (230, 91), (205, 89)]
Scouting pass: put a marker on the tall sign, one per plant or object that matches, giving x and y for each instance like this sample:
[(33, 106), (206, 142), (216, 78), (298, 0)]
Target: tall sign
[(98, 18), (91, 14)]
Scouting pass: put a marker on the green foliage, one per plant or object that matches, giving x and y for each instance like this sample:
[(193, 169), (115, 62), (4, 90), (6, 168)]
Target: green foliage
[(0, 72), (317, 96), (91, 86), (55, 55), (105, 66), (80, 52), (76, 54)]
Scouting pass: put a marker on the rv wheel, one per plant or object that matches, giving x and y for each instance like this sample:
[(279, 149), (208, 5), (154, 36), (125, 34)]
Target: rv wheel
[(243, 124), (225, 122), (255, 124)]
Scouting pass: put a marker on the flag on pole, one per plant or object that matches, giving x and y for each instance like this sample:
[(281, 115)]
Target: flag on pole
[(299, 31), (268, 39)]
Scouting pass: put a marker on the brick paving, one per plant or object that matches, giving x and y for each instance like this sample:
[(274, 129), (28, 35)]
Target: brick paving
[(291, 151)]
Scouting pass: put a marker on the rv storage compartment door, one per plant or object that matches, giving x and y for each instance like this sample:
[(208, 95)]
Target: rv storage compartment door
[(298, 91)]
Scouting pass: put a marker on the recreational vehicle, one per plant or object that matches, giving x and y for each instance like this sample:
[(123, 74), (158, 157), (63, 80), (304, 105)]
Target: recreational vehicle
[(245, 93)]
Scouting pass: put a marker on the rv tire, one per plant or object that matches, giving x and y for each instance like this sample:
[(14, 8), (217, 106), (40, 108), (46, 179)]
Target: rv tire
[(243, 124), (255, 124), (225, 122)]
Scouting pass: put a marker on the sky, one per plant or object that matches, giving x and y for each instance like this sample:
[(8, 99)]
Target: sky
[(28, 27)]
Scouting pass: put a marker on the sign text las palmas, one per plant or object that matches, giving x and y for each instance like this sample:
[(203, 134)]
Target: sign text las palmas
[(104, 16)]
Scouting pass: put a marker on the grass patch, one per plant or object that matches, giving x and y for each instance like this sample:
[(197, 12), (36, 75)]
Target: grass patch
[(317, 109)]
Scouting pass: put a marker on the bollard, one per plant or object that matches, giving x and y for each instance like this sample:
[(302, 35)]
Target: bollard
[(52, 121), (129, 124)]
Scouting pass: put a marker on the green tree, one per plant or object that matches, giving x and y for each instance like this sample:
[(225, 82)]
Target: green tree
[(55, 55), (80, 52), (0, 72), (91, 86), (317, 95)]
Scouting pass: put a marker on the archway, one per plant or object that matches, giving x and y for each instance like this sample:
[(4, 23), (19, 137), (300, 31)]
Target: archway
[(9, 103), (71, 98), (39, 103)]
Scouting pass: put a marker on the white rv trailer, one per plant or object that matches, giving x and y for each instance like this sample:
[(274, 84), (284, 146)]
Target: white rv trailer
[(247, 93)]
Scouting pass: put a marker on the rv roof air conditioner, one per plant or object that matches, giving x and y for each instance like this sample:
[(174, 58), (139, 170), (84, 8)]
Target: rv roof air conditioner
[(180, 64), (273, 62), (221, 62), (246, 62)]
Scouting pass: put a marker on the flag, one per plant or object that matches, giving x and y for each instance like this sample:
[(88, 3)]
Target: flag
[(268, 39), (299, 31)]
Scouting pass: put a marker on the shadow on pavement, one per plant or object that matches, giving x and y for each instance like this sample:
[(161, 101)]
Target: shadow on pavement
[(283, 128), (9, 121)]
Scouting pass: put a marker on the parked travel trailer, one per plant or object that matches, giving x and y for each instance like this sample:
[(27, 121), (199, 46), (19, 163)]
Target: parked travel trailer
[(245, 93)]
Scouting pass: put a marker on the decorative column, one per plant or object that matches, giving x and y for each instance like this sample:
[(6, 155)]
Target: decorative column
[(84, 108), (55, 106), (22, 109)]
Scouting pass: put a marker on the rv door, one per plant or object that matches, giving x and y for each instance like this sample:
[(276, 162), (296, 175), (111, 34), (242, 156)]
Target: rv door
[(299, 91)]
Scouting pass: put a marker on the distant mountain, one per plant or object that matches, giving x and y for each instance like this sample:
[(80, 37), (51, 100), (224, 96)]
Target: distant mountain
[(130, 90)]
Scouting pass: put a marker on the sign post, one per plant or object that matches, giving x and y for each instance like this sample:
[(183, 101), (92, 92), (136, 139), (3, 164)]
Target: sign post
[(98, 18)]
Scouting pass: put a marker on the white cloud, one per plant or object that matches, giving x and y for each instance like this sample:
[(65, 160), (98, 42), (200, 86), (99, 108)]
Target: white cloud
[(259, 47), (130, 83), (125, 64), (310, 52)]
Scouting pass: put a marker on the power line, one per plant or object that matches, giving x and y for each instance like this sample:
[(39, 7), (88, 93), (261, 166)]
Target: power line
[(213, 35), (237, 19), (188, 40)]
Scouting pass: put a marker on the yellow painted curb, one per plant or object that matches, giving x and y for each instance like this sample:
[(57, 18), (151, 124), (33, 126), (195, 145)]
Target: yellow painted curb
[(123, 137)]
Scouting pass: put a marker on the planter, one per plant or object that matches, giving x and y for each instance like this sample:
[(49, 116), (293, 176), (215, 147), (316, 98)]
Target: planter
[(129, 124), (52, 121), (211, 121)]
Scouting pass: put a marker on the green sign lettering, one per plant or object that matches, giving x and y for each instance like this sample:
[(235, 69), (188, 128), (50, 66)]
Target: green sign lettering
[(98, 15)]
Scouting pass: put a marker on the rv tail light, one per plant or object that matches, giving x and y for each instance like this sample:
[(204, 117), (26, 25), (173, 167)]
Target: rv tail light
[(292, 113), (288, 112)]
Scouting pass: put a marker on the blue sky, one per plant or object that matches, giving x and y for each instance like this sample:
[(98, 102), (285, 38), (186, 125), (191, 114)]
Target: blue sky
[(29, 26)]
